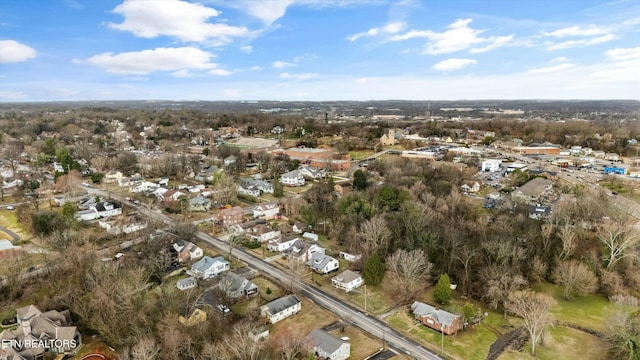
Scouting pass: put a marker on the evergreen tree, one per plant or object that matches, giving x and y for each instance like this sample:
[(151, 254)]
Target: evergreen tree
[(373, 271), (442, 292), (359, 180)]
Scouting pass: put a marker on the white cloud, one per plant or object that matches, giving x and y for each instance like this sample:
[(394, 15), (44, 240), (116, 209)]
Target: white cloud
[(458, 36), (268, 11), (580, 43), (391, 28), (247, 49), (254, 68), (160, 59), (495, 42), (590, 30), (184, 73), (303, 76), (551, 69), (175, 18), (622, 54), (559, 60), (220, 72), (282, 64), (12, 51), (453, 64)]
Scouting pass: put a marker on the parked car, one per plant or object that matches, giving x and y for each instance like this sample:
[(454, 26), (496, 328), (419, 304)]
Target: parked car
[(10, 207)]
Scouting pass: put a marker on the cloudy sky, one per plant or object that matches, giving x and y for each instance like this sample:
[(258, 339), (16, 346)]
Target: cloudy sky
[(319, 49)]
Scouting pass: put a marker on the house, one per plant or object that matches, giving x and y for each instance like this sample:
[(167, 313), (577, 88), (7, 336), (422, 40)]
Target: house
[(187, 283), (281, 244), (263, 233), (310, 236), (263, 186), (437, 319), (311, 172), (100, 210), (281, 308), (347, 280), (231, 216), (299, 227), (470, 187), (236, 286), (349, 257), (144, 186), (196, 317), (230, 160), (208, 267), (323, 264), (7, 249), (111, 176), (173, 195), (200, 203), (277, 130), (292, 178), (163, 181), (129, 225), (207, 174), (539, 211), (327, 346), (532, 191), (259, 333), (266, 211), (34, 326), (491, 165), (249, 190), (88, 203), (187, 251), (302, 251)]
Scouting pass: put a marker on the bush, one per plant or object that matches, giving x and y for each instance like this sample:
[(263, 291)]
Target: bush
[(251, 244), (247, 198), (268, 291)]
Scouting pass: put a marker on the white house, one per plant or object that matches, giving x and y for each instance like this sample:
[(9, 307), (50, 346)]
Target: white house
[(327, 346), (310, 236), (262, 233), (292, 178), (491, 165), (266, 211), (349, 257), (187, 283), (208, 267), (102, 209), (248, 190), (131, 224), (230, 160), (144, 186), (311, 172), (187, 251), (281, 244), (281, 308), (347, 280), (323, 264), (302, 251)]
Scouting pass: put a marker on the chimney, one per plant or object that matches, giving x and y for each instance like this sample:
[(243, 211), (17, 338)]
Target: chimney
[(26, 326)]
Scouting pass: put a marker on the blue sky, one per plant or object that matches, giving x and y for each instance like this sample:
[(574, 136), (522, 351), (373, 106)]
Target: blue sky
[(318, 49)]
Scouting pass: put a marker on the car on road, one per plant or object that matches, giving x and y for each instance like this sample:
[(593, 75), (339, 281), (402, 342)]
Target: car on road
[(10, 207)]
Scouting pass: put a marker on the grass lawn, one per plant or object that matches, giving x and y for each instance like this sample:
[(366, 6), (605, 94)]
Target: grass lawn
[(586, 311), (360, 154), (310, 317), (562, 343), (9, 220)]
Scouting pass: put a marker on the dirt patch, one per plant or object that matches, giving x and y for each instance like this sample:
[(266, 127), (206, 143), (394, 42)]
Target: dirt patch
[(514, 339)]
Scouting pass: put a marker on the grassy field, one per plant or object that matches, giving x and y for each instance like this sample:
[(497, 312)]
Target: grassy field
[(360, 154), (571, 343), (8, 220), (586, 311)]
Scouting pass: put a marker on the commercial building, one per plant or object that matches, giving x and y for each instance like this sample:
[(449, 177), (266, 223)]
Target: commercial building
[(537, 150), (491, 165)]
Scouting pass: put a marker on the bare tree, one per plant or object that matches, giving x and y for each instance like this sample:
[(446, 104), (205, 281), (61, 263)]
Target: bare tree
[(226, 187), (534, 309), (241, 344), (145, 349), (569, 238), (500, 282), (620, 241), (576, 278), (289, 342), (466, 254), (376, 234), (409, 268)]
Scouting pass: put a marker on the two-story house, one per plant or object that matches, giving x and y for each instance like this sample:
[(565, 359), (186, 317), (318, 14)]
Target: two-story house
[(266, 211)]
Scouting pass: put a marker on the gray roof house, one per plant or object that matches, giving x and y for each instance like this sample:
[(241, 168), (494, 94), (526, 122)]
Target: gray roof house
[(35, 326), (236, 286), (281, 308), (187, 283), (532, 191), (436, 318), (199, 203), (208, 267), (327, 346), (323, 264)]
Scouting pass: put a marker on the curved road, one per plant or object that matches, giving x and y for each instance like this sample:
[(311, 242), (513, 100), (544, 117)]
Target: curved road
[(368, 323)]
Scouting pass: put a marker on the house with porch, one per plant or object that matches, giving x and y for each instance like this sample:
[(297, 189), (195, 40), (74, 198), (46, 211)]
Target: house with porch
[(302, 251), (281, 308), (263, 233), (282, 244), (266, 211), (323, 264), (292, 178), (187, 251), (347, 280), (236, 286), (101, 209), (208, 267)]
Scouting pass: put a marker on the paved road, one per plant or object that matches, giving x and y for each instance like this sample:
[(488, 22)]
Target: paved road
[(366, 322)]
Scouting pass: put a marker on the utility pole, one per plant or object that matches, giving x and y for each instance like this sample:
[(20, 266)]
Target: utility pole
[(365, 299)]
